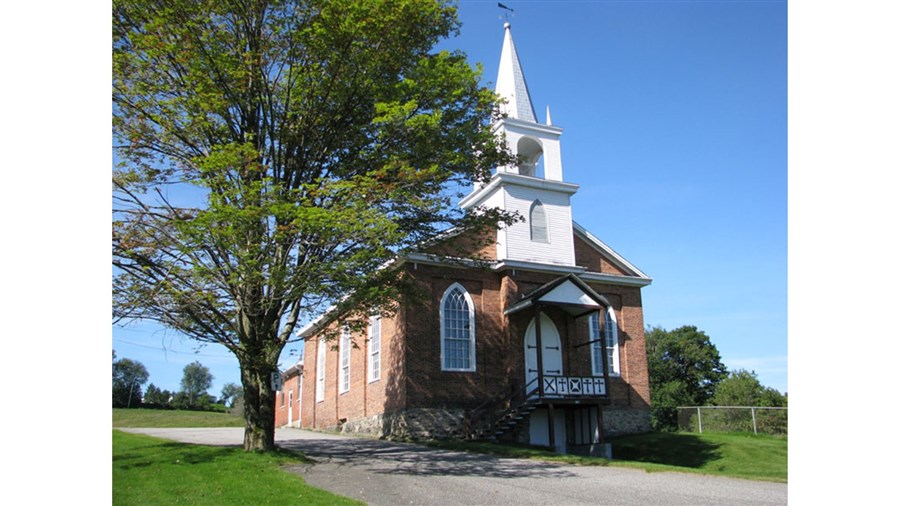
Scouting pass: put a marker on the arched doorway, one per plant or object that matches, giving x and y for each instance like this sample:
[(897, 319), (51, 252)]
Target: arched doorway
[(551, 358), (551, 355)]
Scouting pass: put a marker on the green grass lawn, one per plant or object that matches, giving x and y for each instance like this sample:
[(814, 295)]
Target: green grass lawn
[(734, 455), (149, 470), (739, 455), (165, 418), (758, 457)]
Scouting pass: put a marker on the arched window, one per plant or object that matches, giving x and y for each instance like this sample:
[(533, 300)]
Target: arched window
[(611, 336), (537, 219), (457, 330)]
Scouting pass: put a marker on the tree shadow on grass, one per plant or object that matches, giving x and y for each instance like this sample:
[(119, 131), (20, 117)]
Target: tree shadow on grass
[(170, 453), (683, 450)]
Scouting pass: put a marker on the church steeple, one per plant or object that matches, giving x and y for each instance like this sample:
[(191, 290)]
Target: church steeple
[(511, 83), (536, 145), (533, 186)]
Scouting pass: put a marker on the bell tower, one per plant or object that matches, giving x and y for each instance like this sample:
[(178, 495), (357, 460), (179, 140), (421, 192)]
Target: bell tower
[(534, 185), (534, 144)]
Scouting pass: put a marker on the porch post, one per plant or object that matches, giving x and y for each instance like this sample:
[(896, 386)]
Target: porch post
[(605, 351), (540, 349), (551, 427), (600, 421)]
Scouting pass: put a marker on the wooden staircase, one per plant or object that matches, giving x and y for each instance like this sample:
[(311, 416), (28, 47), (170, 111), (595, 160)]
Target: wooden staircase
[(506, 420), (509, 419)]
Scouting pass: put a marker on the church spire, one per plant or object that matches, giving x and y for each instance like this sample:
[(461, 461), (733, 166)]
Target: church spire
[(511, 82)]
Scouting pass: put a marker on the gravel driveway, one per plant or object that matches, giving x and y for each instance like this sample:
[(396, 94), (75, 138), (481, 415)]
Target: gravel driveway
[(387, 473)]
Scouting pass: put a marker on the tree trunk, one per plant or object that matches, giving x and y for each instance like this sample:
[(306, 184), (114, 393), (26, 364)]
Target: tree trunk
[(259, 407)]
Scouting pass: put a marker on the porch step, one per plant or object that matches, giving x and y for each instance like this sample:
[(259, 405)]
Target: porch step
[(511, 418)]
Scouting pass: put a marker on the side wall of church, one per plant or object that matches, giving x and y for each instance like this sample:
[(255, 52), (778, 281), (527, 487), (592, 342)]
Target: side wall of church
[(361, 407)]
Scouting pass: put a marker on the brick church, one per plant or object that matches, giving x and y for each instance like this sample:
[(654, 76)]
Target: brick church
[(545, 346)]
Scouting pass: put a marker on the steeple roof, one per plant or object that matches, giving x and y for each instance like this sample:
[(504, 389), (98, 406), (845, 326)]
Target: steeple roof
[(511, 82)]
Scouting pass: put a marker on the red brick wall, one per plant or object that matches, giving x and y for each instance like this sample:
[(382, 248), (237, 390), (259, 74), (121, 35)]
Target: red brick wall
[(411, 375), (481, 246), (427, 384), (364, 398), (283, 404), (632, 388), (587, 256), (500, 347)]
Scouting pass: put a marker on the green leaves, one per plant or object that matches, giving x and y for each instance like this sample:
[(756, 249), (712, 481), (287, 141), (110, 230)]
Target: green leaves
[(276, 155), (684, 366)]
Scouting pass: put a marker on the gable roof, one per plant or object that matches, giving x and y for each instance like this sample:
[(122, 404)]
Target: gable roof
[(632, 276), (568, 292)]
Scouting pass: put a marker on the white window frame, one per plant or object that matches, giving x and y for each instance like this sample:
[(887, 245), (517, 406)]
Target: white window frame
[(531, 222), (611, 335), (444, 336), (374, 348), (344, 362), (320, 370)]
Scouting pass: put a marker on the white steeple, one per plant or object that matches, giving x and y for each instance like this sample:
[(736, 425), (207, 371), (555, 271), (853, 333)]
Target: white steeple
[(511, 82), (536, 144), (540, 196)]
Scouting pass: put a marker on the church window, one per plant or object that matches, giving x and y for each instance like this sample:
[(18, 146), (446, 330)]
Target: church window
[(610, 334), (375, 348), (320, 370), (457, 330), (537, 219), (344, 352)]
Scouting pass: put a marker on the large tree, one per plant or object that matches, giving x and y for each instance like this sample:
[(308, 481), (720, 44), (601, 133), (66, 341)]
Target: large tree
[(127, 378), (684, 366), (275, 156)]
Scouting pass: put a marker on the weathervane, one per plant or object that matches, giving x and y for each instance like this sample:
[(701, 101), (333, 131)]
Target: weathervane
[(507, 9)]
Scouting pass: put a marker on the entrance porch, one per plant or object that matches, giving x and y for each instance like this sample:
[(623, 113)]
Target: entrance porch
[(560, 402)]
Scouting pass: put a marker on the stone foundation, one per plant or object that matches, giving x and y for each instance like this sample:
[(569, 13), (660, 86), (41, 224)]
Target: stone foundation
[(617, 422), (442, 423), (419, 423), (372, 425)]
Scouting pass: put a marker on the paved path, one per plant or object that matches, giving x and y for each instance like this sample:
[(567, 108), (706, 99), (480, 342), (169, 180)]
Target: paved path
[(387, 473)]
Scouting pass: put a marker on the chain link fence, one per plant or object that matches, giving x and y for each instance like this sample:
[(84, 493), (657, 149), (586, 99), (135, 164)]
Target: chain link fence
[(759, 420)]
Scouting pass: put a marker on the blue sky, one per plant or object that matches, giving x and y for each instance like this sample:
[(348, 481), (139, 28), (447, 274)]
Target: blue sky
[(675, 126)]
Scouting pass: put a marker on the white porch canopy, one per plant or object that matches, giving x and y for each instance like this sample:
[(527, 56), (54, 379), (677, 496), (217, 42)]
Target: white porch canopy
[(567, 292)]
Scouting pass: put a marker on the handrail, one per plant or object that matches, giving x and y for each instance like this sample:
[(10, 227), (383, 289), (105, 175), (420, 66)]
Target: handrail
[(471, 413)]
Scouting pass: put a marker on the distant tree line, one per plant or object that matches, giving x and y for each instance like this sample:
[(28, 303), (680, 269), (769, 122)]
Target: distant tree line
[(686, 369), (129, 377)]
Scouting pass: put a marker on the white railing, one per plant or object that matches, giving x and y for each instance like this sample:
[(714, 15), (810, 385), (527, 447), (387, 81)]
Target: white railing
[(573, 386)]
